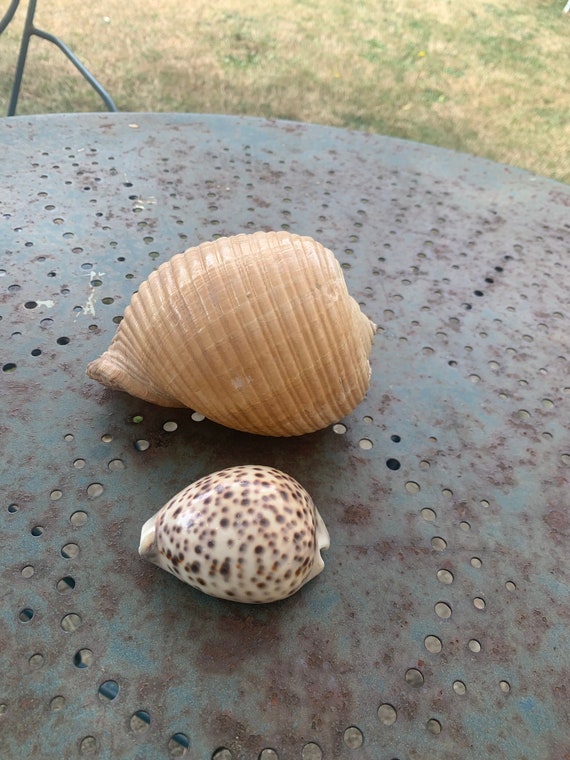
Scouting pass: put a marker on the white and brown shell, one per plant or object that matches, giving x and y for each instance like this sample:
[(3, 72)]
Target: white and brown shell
[(257, 332), (248, 534)]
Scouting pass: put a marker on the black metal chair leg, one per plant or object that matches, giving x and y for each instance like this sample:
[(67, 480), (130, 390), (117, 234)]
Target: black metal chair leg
[(9, 15), (21, 62), (99, 89)]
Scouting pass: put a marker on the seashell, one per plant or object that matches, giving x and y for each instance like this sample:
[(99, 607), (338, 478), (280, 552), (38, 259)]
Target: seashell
[(249, 534), (257, 332)]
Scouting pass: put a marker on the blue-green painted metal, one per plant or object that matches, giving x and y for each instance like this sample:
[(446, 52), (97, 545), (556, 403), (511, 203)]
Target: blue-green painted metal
[(446, 494)]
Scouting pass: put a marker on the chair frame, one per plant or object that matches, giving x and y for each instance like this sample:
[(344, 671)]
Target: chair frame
[(30, 30)]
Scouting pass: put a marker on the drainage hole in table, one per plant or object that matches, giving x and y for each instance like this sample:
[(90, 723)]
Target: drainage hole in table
[(311, 751), (438, 544), (414, 677), (71, 622), (178, 745), (79, 518), (353, 737), (83, 658), (57, 703), (445, 576), (433, 644), (108, 690), (222, 753), (140, 721), (443, 610), (94, 490), (88, 745), (36, 661), (65, 584), (268, 754), (387, 714), (26, 615), (69, 551)]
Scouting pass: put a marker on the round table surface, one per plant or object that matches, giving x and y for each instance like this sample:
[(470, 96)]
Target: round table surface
[(439, 626)]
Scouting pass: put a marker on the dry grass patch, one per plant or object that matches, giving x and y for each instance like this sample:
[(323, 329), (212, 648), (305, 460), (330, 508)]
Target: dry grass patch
[(489, 78)]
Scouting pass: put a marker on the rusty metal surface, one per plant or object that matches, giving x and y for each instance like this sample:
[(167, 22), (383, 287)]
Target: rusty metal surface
[(439, 626)]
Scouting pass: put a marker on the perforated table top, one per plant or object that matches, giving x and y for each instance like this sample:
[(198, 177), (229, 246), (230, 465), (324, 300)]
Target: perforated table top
[(439, 627)]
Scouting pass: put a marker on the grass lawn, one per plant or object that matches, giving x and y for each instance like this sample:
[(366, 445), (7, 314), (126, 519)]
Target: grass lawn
[(487, 78)]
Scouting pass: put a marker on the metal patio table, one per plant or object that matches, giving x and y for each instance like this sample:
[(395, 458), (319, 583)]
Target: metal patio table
[(439, 627)]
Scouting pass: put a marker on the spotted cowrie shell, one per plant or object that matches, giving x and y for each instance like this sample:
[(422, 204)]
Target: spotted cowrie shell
[(249, 534)]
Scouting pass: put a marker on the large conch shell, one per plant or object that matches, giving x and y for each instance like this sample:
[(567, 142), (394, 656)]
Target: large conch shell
[(257, 332)]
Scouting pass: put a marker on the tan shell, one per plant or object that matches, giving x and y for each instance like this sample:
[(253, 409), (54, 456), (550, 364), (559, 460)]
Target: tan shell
[(257, 332), (248, 534)]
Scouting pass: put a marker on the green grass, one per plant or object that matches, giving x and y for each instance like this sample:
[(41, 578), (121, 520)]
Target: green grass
[(486, 78)]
